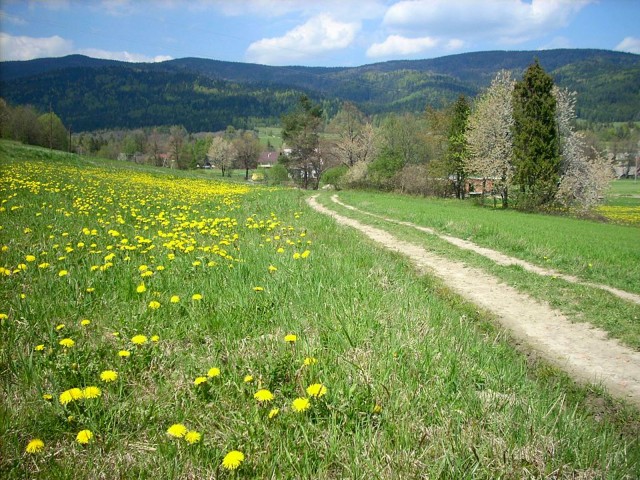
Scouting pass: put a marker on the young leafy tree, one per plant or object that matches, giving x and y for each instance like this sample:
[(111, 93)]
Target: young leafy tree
[(457, 150), (177, 137), (536, 144), (248, 149), (300, 131), (354, 140), (489, 136)]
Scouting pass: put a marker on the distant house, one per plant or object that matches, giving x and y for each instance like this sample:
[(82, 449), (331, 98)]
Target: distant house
[(268, 159)]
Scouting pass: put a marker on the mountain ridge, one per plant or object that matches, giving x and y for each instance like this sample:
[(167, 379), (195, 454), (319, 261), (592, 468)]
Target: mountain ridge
[(608, 84)]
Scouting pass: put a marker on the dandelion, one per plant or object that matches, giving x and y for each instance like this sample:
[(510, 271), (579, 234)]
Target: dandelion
[(91, 392), (44, 265), (148, 273), (248, 378), (272, 269), (47, 396), (232, 460), (63, 273), (60, 326), (296, 256), (124, 353), (67, 343), (34, 446), (258, 289), (141, 288), (308, 361), (39, 348), (84, 437), (30, 258), (376, 409), (109, 376), (192, 437), (3, 316), (273, 412), (70, 395), (196, 296), (301, 404), (177, 430), (280, 250), (155, 338), (290, 338), (175, 299), (139, 340), (200, 380), (154, 305), (316, 390), (213, 372), (263, 395), (85, 322)]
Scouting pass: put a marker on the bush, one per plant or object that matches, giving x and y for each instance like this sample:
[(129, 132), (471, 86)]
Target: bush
[(276, 175), (335, 176)]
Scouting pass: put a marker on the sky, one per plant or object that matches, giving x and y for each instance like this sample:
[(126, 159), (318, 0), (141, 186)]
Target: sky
[(309, 32)]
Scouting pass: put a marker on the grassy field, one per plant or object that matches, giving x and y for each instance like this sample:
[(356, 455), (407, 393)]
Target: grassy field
[(164, 325)]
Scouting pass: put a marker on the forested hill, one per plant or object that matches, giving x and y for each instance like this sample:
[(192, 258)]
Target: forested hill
[(206, 94)]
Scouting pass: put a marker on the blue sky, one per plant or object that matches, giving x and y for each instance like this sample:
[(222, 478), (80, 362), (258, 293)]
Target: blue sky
[(310, 32)]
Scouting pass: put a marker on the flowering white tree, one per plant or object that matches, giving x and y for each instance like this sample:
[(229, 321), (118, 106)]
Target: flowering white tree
[(222, 153), (489, 135), (585, 173)]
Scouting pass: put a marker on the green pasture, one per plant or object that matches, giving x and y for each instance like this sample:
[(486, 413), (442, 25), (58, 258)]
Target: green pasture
[(218, 292)]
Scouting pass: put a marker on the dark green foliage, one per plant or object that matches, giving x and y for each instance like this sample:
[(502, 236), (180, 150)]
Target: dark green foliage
[(535, 138), (333, 176), (457, 150)]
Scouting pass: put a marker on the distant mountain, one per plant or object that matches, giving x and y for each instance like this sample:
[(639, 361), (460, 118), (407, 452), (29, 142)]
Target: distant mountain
[(206, 94)]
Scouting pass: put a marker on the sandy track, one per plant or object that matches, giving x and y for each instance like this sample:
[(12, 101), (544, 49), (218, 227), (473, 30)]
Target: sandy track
[(500, 258), (583, 351)]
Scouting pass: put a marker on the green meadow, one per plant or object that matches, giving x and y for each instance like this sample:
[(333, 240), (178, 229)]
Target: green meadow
[(168, 325)]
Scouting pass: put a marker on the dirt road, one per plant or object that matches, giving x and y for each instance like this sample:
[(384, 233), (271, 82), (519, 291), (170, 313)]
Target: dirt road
[(583, 351)]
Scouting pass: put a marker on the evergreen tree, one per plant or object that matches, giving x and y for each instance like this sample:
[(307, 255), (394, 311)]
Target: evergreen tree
[(457, 150), (535, 137)]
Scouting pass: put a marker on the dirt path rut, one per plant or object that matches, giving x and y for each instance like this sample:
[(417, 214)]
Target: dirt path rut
[(583, 351)]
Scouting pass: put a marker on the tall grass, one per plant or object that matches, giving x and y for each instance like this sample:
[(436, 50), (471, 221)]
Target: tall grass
[(418, 383)]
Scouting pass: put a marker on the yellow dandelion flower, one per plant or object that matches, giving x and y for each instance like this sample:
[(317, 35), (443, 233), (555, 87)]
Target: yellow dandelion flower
[(316, 390), (308, 361), (34, 446), (280, 250), (272, 269), (109, 376), (159, 268), (213, 372), (139, 340), (305, 254), (154, 305), (155, 338), (115, 334), (296, 256), (91, 392), (47, 396), (200, 380), (148, 273), (143, 268), (60, 326), (84, 437), (232, 460), (30, 258), (263, 395), (290, 338), (196, 263), (90, 290), (44, 265), (67, 343), (124, 353), (85, 322), (141, 288), (248, 378), (3, 316), (273, 412), (65, 397), (39, 348), (376, 409), (301, 404), (258, 289), (196, 296), (175, 299), (192, 437), (63, 273), (177, 430)]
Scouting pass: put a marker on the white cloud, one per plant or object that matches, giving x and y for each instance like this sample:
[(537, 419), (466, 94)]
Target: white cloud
[(12, 19), (27, 48), (454, 44), (396, 45), (319, 35), (511, 21), (343, 9), (629, 44)]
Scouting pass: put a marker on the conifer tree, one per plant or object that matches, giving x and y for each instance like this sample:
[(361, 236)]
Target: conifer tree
[(457, 151), (535, 137)]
